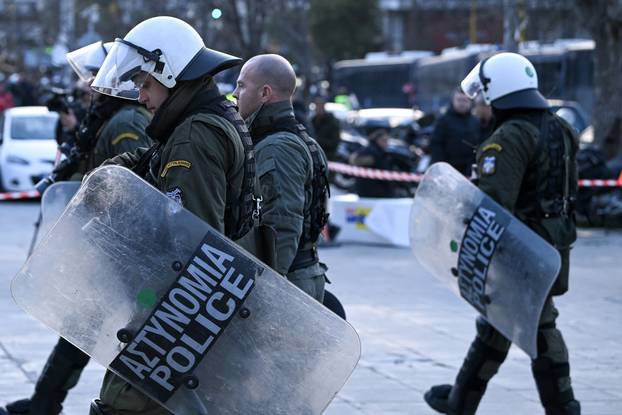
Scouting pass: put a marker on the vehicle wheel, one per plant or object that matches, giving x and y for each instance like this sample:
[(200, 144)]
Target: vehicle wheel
[(344, 182), (1, 186)]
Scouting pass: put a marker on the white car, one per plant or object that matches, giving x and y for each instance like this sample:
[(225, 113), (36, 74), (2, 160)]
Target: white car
[(27, 147)]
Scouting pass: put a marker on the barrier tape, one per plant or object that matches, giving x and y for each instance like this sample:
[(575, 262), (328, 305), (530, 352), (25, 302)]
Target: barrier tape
[(356, 171), (415, 178), (377, 174), (599, 183), (19, 195)]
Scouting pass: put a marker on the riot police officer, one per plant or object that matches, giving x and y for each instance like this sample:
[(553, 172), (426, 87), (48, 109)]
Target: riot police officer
[(110, 127), (202, 157), (291, 167), (528, 166)]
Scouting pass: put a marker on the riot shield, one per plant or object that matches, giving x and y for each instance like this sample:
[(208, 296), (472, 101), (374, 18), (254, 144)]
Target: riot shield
[(152, 292), (483, 253), (54, 201)]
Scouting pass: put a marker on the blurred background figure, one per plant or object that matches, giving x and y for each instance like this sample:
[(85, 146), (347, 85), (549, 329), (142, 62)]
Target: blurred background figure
[(456, 135), (374, 156), (326, 128), (6, 98), (22, 89), (483, 112)]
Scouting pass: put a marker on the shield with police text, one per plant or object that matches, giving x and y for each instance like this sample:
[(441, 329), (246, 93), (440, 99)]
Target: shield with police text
[(182, 313), (485, 255)]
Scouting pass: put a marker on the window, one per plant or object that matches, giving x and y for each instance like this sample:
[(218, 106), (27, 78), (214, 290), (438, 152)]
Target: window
[(33, 127)]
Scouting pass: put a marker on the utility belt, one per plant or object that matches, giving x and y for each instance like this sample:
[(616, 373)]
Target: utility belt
[(304, 258)]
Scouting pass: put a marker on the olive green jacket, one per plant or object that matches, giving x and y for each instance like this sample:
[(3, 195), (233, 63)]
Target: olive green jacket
[(123, 132), (503, 161), (285, 171), (201, 166)]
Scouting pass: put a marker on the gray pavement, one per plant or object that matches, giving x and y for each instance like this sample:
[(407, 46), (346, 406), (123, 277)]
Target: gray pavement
[(414, 332)]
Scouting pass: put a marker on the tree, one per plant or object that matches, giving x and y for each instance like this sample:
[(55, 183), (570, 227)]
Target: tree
[(603, 18), (345, 29)]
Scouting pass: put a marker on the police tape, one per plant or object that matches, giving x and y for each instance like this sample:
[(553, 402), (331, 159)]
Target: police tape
[(355, 171), (377, 174), (599, 183), (32, 194)]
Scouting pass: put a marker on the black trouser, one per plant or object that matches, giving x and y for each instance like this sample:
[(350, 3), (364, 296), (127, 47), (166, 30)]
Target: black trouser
[(60, 373)]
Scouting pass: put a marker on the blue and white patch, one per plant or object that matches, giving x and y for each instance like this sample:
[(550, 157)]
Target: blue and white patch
[(489, 165), (175, 194)]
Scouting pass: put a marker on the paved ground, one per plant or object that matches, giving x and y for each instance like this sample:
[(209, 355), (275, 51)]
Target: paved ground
[(414, 332)]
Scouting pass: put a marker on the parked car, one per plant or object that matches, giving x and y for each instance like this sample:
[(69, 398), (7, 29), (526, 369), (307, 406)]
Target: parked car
[(27, 146)]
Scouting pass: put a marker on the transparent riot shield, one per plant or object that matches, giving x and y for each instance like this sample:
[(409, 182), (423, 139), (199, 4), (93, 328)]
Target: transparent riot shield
[(483, 253), (54, 201), (153, 293)]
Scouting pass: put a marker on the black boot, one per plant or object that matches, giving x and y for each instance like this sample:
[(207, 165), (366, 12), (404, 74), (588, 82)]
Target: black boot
[(554, 388), (480, 365), (61, 373), (571, 408)]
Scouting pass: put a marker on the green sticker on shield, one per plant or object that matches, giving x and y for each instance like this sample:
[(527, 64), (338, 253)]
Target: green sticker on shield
[(454, 246), (529, 71), (147, 298)]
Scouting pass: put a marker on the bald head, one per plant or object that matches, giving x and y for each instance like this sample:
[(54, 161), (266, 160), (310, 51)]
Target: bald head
[(264, 79), (273, 70)]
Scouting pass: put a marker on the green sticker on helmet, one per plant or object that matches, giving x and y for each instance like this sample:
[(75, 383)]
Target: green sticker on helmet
[(147, 298), (529, 71)]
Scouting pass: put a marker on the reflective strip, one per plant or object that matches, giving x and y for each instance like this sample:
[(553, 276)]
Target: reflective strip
[(123, 136)]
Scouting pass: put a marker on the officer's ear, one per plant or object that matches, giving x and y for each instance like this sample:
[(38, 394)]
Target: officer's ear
[(266, 93)]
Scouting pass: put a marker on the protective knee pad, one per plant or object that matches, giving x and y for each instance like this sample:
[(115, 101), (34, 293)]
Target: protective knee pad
[(485, 356), (551, 343), (491, 337)]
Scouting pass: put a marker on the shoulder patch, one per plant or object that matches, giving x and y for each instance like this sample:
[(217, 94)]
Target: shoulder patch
[(175, 163), (492, 146), (124, 136), (175, 194), (489, 165)]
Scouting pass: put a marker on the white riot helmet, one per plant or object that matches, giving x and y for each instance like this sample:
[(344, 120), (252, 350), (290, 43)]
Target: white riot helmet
[(164, 47), (87, 60), (506, 80)]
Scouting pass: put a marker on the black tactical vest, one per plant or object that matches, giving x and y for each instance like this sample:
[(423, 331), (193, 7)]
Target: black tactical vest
[(317, 212), (240, 214), (551, 177)]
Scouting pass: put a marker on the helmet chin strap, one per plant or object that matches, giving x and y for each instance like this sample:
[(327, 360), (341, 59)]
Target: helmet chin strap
[(483, 79)]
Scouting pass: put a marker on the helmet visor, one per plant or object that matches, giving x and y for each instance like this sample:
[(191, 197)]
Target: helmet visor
[(123, 72), (472, 83), (86, 61)]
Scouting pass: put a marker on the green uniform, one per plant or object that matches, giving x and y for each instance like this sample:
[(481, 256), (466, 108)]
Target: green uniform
[(124, 132), (528, 165), (285, 171), (201, 165)]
